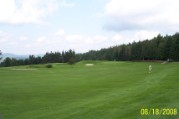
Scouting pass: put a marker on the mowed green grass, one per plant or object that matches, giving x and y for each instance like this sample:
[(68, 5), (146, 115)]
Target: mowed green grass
[(107, 90)]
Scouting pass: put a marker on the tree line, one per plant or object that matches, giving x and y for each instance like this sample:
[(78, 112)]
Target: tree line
[(49, 57), (158, 48)]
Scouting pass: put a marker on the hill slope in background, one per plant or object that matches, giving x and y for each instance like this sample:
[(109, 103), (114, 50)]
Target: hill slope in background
[(10, 55), (157, 48)]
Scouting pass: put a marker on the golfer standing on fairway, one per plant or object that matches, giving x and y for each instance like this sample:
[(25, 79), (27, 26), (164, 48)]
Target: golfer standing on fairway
[(150, 69)]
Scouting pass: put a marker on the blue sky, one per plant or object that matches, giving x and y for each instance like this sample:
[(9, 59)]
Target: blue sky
[(38, 26)]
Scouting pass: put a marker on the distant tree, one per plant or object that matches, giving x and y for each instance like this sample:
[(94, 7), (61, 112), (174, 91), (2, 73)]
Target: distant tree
[(14, 62), (167, 47), (72, 61), (52, 57), (31, 59), (20, 62), (26, 61), (7, 62), (176, 47), (79, 57)]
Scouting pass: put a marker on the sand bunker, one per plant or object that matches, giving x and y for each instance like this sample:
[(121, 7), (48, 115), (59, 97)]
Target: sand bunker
[(164, 62), (89, 64)]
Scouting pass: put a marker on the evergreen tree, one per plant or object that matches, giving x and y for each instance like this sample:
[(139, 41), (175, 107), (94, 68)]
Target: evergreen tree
[(7, 62), (71, 61)]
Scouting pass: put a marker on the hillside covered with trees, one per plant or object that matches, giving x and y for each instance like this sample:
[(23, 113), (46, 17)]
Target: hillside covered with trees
[(158, 48)]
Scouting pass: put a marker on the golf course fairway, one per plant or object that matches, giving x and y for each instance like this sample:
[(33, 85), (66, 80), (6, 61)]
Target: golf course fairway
[(99, 90)]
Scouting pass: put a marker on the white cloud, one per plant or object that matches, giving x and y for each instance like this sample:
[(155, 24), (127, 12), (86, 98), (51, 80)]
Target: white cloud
[(100, 38), (27, 46), (4, 37), (64, 37), (79, 38), (23, 38), (78, 42), (62, 40), (128, 37), (43, 40), (26, 11), (13, 43), (158, 15), (116, 37), (64, 3), (3, 40), (60, 32), (74, 38), (143, 35)]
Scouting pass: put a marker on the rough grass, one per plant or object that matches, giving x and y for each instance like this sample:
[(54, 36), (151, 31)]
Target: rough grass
[(108, 90)]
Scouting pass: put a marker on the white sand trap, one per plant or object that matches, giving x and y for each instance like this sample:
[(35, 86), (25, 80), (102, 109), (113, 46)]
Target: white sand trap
[(164, 62), (89, 65), (24, 69)]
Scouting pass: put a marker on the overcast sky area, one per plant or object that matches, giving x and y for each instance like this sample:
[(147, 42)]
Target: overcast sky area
[(38, 26)]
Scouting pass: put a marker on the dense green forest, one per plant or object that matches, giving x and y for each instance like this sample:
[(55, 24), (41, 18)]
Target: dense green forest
[(158, 48)]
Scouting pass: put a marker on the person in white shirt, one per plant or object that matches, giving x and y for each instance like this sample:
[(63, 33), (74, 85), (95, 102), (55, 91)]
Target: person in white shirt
[(150, 68)]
